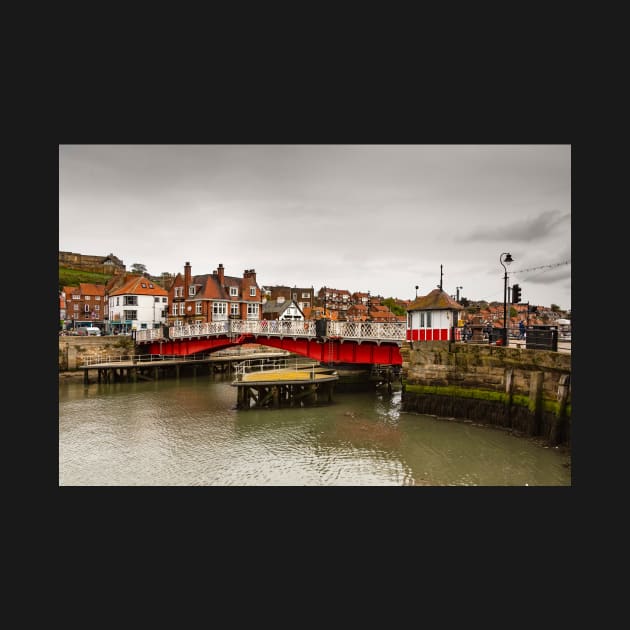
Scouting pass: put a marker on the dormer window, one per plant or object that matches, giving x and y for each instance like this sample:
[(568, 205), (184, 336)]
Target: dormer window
[(233, 292), (150, 286), (252, 291), (143, 285), (191, 290)]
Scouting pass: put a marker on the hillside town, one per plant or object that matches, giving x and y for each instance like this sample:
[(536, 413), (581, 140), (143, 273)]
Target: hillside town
[(133, 301)]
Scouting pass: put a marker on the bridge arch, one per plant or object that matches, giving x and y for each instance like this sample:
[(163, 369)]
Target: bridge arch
[(343, 342)]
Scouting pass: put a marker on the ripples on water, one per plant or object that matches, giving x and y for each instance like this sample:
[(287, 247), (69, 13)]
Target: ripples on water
[(188, 432)]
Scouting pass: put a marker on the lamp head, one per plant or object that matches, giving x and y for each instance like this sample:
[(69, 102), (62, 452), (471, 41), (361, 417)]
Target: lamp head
[(508, 259)]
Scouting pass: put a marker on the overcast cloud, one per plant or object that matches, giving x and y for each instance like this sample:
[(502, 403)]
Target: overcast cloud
[(359, 217)]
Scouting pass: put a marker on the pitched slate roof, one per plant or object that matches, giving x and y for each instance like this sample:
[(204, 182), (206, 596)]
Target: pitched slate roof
[(434, 301), (272, 306)]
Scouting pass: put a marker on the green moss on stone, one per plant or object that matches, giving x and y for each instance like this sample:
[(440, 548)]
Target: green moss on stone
[(459, 392)]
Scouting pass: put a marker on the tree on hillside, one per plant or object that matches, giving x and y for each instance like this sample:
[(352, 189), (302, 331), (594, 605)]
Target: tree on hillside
[(393, 307), (139, 268), (555, 308)]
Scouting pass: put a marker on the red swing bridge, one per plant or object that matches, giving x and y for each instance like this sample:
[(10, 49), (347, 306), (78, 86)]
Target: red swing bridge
[(322, 340)]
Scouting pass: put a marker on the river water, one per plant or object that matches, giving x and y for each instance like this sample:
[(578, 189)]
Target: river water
[(187, 432)]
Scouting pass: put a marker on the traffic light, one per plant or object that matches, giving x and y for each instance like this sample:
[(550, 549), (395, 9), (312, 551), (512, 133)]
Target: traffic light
[(516, 294)]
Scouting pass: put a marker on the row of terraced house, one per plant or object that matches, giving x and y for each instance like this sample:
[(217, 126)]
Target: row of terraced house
[(135, 302)]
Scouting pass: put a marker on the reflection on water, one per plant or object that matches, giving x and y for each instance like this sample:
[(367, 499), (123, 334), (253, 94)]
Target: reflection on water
[(188, 432)]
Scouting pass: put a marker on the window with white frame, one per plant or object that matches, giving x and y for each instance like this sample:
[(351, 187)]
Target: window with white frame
[(130, 314), (174, 310), (131, 300), (97, 298), (306, 295), (181, 308), (76, 307), (197, 308), (86, 308), (163, 300), (179, 291), (252, 291), (234, 308), (97, 307), (191, 290), (219, 311), (87, 297), (233, 291), (252, 311), (429, 319), (76, 297), (156, 299), (117, 301)]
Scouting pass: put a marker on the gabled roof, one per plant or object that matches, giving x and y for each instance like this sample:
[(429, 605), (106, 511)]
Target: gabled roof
[(272, 306), (210, 289), (436, 300), (133, 286)]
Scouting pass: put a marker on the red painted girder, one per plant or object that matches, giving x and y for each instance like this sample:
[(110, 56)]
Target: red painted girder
[(326, 352)]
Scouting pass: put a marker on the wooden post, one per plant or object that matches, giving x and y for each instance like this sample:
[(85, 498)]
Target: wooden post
[(559, 420)]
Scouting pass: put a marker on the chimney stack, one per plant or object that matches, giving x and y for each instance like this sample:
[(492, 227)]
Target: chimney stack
[(187, 278), (221, 274)]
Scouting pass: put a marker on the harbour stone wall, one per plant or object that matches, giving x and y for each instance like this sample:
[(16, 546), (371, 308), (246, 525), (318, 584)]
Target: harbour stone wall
[(524, 391)]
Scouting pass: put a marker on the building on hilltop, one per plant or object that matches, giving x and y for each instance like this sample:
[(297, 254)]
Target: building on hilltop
[(110, 264)]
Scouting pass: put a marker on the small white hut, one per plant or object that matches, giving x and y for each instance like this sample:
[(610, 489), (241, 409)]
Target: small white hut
[(432, 317)]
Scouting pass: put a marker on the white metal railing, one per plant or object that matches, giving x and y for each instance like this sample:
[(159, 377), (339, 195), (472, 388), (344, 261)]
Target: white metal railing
[(257, 366), (149, 334), (389, 331), (394, 331)]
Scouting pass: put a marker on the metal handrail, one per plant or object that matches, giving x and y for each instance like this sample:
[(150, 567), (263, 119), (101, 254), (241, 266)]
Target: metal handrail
[(386, 331), (268, 365)]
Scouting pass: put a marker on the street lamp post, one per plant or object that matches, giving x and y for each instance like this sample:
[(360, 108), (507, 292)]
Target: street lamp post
[(507, 260)]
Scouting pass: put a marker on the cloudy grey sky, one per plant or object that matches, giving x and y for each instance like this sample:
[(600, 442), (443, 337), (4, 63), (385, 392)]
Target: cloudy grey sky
[(359, 217)]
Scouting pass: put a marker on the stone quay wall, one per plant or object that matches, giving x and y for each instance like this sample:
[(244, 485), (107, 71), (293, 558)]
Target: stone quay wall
[(524, 391)]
